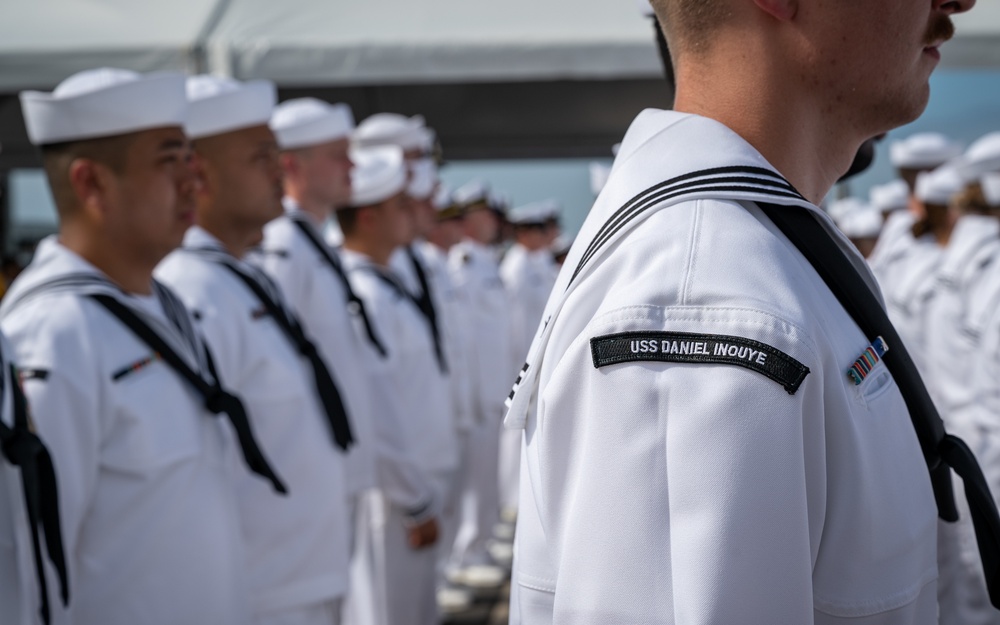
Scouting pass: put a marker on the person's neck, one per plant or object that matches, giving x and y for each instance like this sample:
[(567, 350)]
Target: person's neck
[(377, 251), (797, 135), (317, 211), (133, 275), (236, 237)]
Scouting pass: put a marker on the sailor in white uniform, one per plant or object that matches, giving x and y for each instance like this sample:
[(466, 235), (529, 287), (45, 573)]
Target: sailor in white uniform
[(378, 221), (911, 285), (314, 138), (297, 548), (696, 451), (862, 227), (120, 384), (528, 271), (475, 268), (27, 526), (422, 268), (892, 199)]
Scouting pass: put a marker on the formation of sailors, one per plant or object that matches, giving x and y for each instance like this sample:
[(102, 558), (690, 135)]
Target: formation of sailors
[(263, 363), (937, 260)]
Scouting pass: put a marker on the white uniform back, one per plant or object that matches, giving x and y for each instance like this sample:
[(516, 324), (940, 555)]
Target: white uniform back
[(297, 545), (145, 472), (660, 491)]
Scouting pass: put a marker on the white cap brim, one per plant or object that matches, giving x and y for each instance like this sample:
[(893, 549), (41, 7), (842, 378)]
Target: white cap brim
[(249, 104), (150, 101)]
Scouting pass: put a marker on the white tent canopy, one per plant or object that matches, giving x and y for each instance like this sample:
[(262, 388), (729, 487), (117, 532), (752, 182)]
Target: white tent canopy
[(362, 42)]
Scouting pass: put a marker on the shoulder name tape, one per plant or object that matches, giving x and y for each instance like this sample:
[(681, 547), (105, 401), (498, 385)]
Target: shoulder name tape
[(684, 347)]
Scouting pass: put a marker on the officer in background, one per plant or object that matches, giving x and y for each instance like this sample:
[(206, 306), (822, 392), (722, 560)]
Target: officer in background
[(138, 451), (297, 548), (688, 410), (377, 223)]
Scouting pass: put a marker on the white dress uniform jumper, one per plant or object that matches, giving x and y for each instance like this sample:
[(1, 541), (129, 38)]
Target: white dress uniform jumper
[(149, 516), (529, 278), (475, 269), (297, 547), (315, 284), (697, 450), (408, 575), (30, 533)]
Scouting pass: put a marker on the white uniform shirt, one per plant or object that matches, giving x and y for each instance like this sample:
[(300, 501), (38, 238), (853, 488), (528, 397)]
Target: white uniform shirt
[(973, 246), (658, 491), (416, 377), (297, 546), (317, 296), (145, 473), (908, 289), (893, 242), (379, 456), (19, 592), (475, 269), (451, 304), (529, 278)]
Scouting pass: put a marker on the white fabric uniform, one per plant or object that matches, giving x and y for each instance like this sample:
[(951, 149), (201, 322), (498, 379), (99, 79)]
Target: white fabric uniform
[(698, 492), (317, 296), (980, 416), (145, 473), (408, 574), (893, 242), (950, 352), (528, 277), (19, 592), (475, 270), (450, 305), (380, 456), (297, 546), (908, 288), (974, 243)]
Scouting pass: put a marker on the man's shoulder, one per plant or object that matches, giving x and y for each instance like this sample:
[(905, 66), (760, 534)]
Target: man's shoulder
[(718, 256)]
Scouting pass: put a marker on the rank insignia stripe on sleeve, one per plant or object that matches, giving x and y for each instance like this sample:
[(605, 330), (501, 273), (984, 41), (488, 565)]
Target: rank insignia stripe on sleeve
[(867, 361), (692, 348)]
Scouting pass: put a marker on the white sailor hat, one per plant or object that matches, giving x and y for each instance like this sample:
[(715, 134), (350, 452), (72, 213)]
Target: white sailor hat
[(991, 188), (938, 186), (409, 133), (305, 122), (982, 156), (534, 213), (379, 173), (473, 192), (423, 178), (840, 209), (599, 174), (890, 196), (863, 223), (103, 103), (924, 150), (220, 105)]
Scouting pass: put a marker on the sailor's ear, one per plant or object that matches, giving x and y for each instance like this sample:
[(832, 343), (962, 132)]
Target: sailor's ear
[(782, 10)]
